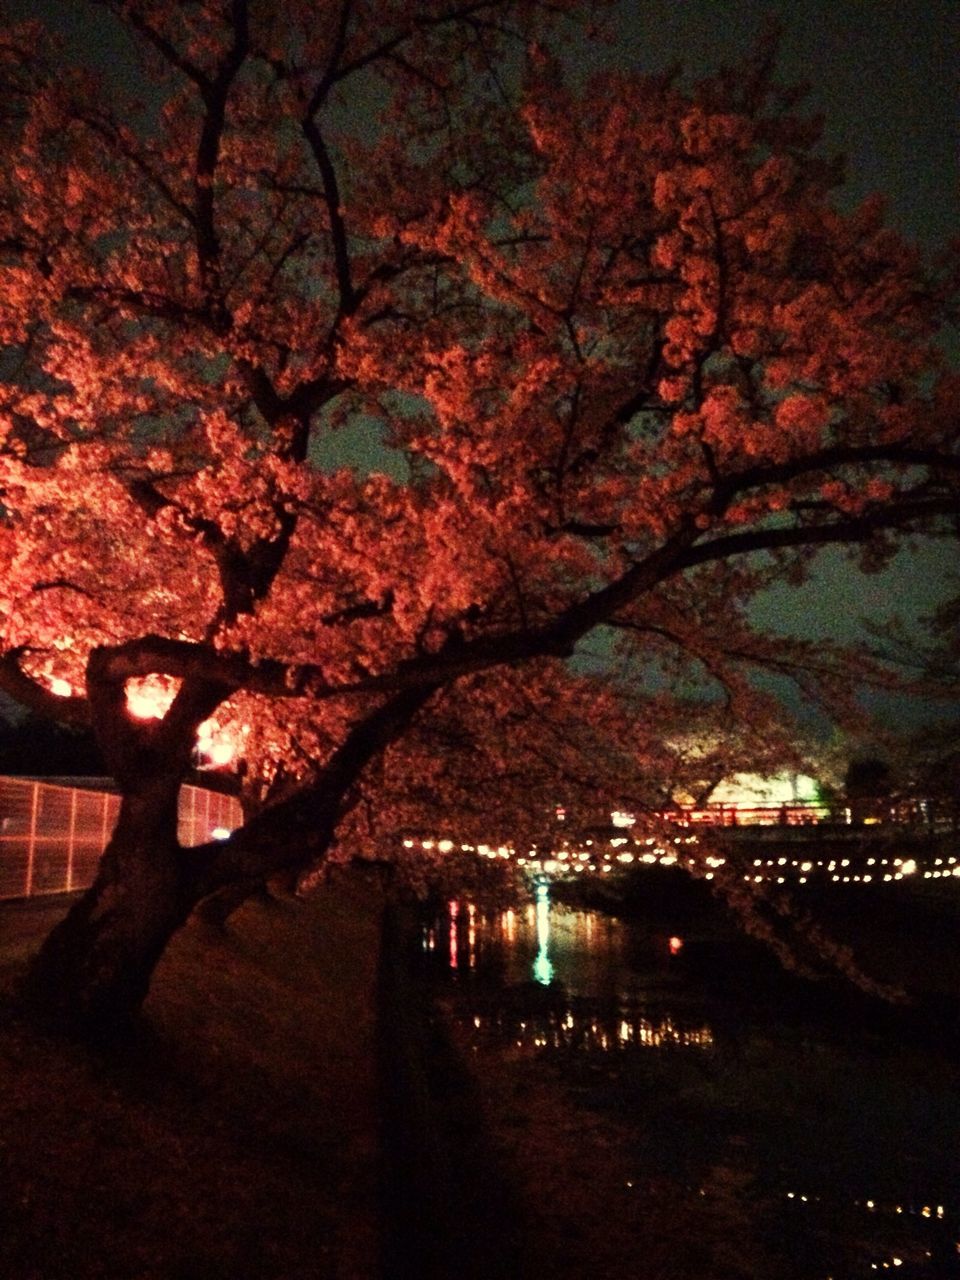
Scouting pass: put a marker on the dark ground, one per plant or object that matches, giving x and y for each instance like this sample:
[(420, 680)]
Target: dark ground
[(235, 1136), (293, 1108)]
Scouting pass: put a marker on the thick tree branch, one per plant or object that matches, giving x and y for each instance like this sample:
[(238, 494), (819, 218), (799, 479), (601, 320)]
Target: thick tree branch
[(778, 473), (555, 639), (294, 833), (327, 80), (338, 227), (851, 529), (187, 659), (29, 693), (215, 94)]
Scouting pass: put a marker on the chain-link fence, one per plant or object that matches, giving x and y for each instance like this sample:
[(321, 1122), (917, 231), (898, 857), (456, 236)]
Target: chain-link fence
[(52, 834)]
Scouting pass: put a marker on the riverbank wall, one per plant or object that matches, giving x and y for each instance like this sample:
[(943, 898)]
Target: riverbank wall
[(447, 1205)]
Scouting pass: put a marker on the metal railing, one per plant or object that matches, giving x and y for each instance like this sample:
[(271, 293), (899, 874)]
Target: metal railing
[(52, 834), (910, 811)]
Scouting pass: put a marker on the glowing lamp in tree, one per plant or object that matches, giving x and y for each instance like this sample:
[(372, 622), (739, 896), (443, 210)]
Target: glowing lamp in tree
[(218, 746), (150, 697)]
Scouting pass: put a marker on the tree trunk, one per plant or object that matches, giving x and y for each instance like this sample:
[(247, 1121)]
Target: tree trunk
[(93, 971), (219, 907)]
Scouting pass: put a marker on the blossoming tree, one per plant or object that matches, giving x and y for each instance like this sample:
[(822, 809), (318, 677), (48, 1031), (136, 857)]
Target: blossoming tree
[(614, 359)]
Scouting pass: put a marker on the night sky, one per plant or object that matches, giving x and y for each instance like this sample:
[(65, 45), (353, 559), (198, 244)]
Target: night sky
[(884, 75)]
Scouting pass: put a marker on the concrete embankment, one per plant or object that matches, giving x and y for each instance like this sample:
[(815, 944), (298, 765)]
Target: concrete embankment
[(447, 1207)]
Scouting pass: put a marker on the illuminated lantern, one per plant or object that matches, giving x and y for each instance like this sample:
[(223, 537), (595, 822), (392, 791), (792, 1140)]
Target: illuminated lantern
[(150, 697), (219, 746)]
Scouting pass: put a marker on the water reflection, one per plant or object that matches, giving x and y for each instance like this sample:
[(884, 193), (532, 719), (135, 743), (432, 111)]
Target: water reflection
[(840, 1152), (542, 968), (589, 1029), (546, 944), (550, 977)]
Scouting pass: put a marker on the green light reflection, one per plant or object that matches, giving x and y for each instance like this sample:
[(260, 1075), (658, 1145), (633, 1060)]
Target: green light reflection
[(542, 966)]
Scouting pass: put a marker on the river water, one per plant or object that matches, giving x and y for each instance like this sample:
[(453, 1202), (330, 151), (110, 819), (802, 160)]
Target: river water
[(838, 1149)]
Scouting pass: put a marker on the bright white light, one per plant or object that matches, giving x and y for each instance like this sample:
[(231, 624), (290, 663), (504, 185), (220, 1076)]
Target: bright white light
[(61, 688), (150, 697), (221, 833), (220, 746), (221, 752)]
